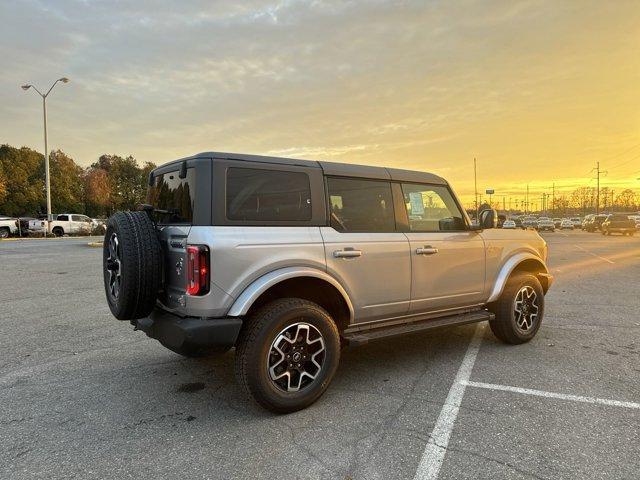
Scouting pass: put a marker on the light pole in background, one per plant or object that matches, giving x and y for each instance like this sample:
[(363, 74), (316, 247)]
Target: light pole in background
[(46, 147)]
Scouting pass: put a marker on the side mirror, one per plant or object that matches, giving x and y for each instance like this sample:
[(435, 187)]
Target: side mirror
[(489, 218)]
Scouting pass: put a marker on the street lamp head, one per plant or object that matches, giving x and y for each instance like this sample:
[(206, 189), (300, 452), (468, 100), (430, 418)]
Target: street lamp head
[(26, 87), (64, 80)]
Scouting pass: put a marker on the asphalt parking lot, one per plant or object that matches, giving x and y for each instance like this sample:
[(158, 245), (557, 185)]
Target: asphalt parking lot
[(83, 396)]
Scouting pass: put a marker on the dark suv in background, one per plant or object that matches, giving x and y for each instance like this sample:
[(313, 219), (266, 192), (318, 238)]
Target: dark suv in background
[(618, 223)]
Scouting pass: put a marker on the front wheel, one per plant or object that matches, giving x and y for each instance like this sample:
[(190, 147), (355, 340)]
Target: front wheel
[(519, 310), (4, 233), (287, 354)]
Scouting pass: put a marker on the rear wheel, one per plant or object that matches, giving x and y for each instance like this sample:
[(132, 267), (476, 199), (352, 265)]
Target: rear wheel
[(519, 310), (58, 231), (287, 354), (4, 233)]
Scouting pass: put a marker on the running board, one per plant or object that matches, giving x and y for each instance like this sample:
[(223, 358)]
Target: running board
[(362, 337)]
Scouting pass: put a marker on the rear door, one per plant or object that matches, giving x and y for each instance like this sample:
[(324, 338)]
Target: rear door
[(447, 260), (174, 201), (364, 250)]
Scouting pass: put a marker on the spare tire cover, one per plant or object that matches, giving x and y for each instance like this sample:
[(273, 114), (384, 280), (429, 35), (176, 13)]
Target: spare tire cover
[(132, 265)]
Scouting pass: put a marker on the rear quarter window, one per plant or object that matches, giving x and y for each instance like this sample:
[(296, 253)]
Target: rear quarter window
[(255, 195), (173, 197)]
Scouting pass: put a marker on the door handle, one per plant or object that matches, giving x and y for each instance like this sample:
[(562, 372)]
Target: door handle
[(426, 250), (347, 253)]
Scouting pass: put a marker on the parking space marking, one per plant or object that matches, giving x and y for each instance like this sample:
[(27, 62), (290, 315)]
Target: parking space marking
[(436, 447), (594, 254), (560, 396)]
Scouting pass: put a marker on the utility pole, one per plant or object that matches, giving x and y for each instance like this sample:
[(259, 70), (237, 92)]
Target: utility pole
[(475, 183), (598, 173)]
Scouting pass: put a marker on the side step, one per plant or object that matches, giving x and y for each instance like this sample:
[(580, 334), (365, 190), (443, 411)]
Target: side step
[(360, 338)]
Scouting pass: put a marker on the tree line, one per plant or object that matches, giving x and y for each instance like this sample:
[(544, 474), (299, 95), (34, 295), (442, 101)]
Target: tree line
[(111, 183)]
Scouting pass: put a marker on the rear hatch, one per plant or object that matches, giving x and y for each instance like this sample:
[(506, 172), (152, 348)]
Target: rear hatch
[(172, 193)]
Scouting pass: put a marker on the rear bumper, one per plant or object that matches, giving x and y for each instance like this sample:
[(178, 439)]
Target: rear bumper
[(172, 330)]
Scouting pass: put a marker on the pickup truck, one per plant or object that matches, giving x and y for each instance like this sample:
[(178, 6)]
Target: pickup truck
[(8, 226), (71, 224)]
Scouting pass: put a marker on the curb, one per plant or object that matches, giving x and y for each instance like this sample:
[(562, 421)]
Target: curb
[(95, 244), (50, 238)]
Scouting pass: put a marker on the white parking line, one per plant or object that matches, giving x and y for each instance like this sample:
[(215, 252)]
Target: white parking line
[(595, 255), (436, 447), (560, 396)]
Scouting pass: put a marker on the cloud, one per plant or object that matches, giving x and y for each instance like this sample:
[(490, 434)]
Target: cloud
[(409, 83)]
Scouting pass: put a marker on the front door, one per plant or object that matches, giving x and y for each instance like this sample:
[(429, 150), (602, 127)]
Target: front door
[(448, 260), (363, 249)]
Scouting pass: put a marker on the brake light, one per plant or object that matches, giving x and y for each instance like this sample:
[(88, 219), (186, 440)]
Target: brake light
[(197, 270)]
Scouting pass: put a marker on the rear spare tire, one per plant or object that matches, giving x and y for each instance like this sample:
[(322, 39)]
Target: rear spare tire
[(131, 259)]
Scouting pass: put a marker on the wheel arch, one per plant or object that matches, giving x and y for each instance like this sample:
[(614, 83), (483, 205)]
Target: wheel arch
[(301, 282), (521, 262)]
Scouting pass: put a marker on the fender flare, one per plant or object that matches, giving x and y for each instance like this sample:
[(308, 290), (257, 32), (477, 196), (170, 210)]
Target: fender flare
[(508, 267), (250, 294)]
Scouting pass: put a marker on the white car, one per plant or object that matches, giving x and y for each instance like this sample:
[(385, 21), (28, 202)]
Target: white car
[(577, 221), (566, 224), (71, 224), (509, 224), (8, 226)]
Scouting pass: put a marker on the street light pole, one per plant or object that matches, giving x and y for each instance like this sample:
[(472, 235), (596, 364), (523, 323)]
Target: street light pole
[(46, 146)]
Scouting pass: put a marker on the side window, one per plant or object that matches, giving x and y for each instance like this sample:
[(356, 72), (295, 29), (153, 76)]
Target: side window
[(63, 218), (255, 194), (360, 205), (77, 218), (431, 208)]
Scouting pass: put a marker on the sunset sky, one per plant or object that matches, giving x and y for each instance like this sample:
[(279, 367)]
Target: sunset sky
[(537, 91)]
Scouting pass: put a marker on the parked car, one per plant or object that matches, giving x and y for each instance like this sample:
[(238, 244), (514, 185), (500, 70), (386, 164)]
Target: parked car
[(586, 220), (546, 224), (530, 222), (8, 226), (71, 224), (566, 224), (518, 222), (509, 224), (288, 259), (31, 226), (617, 223), (577, 222), (557, 222), (594, 223)]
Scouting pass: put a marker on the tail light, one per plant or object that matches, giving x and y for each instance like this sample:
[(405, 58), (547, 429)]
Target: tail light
[(197, 270)]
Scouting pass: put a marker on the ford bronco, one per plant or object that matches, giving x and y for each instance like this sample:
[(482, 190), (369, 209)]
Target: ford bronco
[(287, 260)]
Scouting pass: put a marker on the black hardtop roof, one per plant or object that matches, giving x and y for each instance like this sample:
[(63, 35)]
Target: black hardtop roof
[(329, 168)]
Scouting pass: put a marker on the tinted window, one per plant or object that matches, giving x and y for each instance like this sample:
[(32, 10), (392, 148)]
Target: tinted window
[(173, 197), (360, 205), (63, 218), (267, 195), (431, 208)]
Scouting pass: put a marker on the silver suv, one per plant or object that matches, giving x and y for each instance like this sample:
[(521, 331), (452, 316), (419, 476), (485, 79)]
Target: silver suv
[(286, 260)]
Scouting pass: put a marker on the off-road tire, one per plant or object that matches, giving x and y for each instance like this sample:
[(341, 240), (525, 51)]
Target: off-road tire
[(504, 325), (58, 231), (255, 343), (140, 265)]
